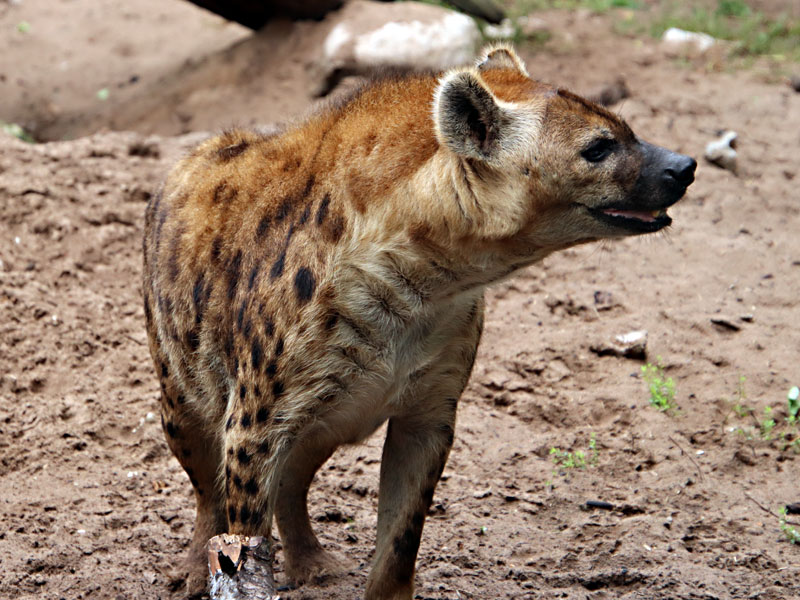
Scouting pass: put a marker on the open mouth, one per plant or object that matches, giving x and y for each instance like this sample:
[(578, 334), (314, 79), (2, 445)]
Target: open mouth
[(640, 221)]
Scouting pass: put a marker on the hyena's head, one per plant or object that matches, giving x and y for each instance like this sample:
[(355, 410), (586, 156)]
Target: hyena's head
[(554, 169)]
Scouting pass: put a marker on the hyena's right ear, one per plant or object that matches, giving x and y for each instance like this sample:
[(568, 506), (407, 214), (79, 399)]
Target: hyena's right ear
[(501, 56), (468, 118)]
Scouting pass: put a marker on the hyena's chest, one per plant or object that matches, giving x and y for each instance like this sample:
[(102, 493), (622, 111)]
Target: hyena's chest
[(383, 371)]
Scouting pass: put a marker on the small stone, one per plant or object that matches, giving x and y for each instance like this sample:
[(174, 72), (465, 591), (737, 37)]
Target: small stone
[(725, 323), (611, 93), (722, 151), (682, 39), (744, 458), (627, 345), (504, 31), (482, 493)]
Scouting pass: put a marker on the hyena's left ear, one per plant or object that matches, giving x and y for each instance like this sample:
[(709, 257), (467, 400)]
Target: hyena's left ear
[(468, 118), (501, 57)]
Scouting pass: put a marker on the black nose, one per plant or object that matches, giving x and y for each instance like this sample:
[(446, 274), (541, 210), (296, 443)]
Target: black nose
[(682, 169)]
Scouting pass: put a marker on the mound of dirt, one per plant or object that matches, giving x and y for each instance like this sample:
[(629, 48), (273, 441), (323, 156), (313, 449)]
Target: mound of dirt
[(92, 504)]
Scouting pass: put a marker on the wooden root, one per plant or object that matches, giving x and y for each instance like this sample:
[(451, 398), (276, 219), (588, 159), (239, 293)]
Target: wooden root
[(240, 567)]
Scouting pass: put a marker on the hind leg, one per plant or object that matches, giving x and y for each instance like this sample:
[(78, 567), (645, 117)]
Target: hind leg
[(303, 554), (198, 452)]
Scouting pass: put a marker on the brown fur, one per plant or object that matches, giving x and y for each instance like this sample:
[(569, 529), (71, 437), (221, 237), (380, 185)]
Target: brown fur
[(303, 288)]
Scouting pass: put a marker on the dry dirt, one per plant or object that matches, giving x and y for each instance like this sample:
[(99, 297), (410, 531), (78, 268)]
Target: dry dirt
[(92, 505)]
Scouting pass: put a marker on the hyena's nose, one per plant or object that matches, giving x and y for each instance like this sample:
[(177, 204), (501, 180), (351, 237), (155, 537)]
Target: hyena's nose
[(681, 169)]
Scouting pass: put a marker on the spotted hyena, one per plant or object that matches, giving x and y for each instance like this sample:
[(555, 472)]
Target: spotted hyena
[(305, 287)]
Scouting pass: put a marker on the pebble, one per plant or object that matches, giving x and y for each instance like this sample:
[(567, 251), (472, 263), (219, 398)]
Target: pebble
[(722, 151), (628, 345), (504, 31), (680, 38)]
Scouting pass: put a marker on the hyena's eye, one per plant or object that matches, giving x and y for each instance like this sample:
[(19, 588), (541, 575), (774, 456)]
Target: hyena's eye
[(599, 150)]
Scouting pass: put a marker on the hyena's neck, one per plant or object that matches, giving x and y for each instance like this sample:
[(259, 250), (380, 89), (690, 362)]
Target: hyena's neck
[(422, 241)]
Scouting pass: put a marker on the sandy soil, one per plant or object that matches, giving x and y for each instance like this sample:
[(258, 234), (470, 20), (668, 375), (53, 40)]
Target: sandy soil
[(92, 505)]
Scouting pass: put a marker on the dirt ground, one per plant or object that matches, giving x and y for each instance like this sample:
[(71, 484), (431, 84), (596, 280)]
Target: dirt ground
[(92, 504)]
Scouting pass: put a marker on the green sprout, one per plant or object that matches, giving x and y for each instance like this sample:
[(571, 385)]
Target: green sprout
[(793, 400), (662, 388), (792, 534), (564, 461), (767, 424)]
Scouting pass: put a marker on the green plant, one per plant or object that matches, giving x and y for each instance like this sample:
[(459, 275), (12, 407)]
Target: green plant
[(594, 453), (564, 461), (767, 424), (791, 534), (662, 388), (17, 131), (767, 428), (739, 407), (568, 460), (793, 402), (524, 7), (751, 32)]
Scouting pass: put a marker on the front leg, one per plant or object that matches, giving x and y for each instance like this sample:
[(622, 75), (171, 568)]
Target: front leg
[(414, 456)]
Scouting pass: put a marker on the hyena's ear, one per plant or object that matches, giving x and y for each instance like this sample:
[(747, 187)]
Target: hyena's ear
[(501, 57), (468, 118)]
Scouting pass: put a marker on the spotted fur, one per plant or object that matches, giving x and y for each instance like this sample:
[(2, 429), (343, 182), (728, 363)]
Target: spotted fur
[(303, 288)]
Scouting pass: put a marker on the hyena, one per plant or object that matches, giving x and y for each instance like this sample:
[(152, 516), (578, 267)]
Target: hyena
[(302, 288)]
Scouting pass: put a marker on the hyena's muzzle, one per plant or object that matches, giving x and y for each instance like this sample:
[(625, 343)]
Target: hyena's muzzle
[(663, 179)]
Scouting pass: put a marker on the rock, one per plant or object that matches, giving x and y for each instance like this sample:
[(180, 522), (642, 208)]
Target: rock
[(482, 493), (629, 345), (725, 323), (367, 36), (601, 504), (722, 152), (744, 458), (611, 93), (505, 30), (680, 39), (794, 81), (488, 10)]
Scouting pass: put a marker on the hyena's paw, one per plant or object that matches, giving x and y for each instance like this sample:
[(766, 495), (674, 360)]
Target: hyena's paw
[(310, 566)]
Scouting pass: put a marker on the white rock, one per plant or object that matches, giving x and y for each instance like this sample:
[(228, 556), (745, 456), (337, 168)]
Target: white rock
[(632, 337), (436, 44), (722, 151), (366, 36), (629, 345), (701, 42), (503, 31)]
